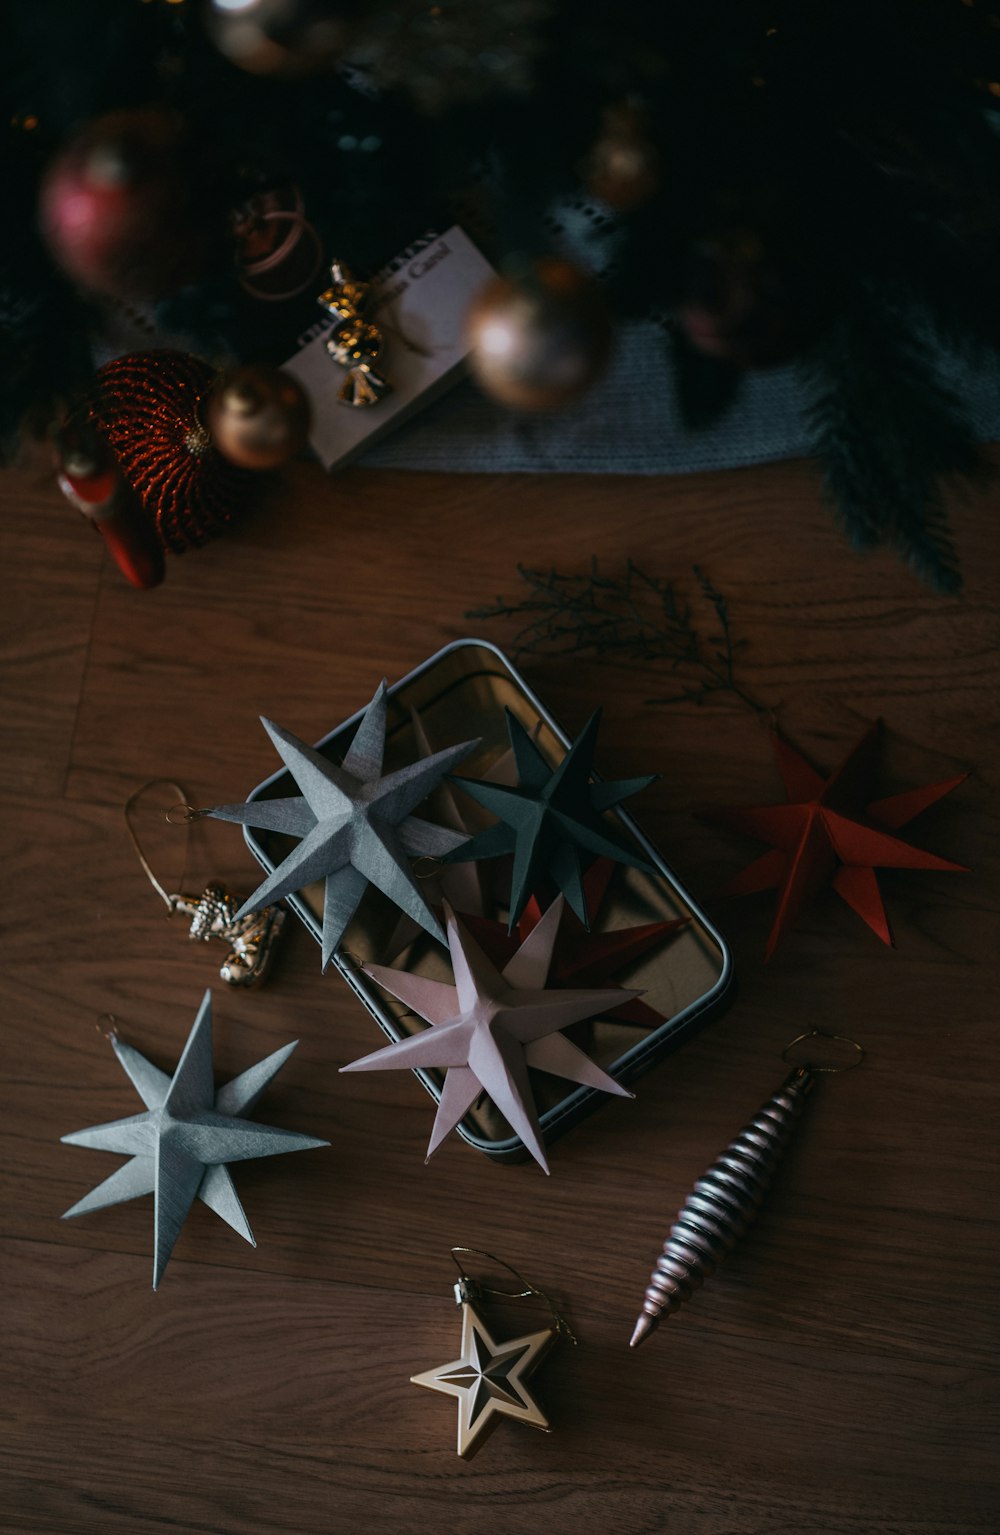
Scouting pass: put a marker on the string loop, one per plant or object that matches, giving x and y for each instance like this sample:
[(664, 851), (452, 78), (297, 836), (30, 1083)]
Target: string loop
[(168, 900), (841, 1039)]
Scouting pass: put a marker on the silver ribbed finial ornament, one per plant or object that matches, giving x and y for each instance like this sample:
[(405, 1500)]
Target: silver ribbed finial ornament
[(726, 1198)]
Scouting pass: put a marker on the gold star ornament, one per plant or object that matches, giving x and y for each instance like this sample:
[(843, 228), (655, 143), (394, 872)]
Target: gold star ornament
[(489, 1379)]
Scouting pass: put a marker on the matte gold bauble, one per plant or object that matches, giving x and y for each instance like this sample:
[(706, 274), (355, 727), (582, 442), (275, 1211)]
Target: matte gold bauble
[(258, 417), (285, 38), (539, 341), (622, 168)]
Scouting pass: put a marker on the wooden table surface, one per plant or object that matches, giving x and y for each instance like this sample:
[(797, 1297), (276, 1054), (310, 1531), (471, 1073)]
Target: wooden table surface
[(836, 1377)]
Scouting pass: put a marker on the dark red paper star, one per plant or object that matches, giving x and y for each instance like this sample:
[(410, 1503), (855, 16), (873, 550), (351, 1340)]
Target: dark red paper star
[(582, 958), (830, 830)]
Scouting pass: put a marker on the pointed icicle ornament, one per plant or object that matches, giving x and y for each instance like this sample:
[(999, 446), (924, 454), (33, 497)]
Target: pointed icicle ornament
[(180, 1147), (491, 1026), (355, 824), (832, 831), (726, 1199), (553, 821)]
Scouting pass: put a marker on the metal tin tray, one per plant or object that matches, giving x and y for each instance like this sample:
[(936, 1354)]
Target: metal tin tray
[(459, 693)]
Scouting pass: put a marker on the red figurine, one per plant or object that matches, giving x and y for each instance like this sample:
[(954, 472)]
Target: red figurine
[(90, 479), (831, 831)]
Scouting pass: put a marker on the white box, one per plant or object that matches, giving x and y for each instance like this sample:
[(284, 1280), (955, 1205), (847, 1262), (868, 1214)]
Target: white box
[(419, 301)]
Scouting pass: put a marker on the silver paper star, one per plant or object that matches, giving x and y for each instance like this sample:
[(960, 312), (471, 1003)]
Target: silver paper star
[(354, 823), (490, 1027), (180, 1145)]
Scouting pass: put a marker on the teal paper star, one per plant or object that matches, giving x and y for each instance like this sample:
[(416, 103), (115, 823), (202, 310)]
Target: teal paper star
[(552, 819), (355, 825), (180, 1146)]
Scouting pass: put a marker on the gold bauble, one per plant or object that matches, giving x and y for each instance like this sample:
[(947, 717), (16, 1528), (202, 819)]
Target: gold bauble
[(258, 417), (285, 38), (539, 341), (623, 166)]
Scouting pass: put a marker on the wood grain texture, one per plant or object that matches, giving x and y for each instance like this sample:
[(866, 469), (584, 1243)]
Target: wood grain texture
[(836, 1378)]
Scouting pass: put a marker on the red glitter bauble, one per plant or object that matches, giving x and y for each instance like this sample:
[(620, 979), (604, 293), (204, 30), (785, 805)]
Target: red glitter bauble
[(121, 206), (149, 405)]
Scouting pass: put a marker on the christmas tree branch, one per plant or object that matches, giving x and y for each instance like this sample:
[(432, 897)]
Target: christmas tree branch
[(891, 435)]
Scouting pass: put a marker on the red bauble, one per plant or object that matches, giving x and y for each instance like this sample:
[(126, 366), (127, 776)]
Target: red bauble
[(117, 206), (743, 308), (149, 406)]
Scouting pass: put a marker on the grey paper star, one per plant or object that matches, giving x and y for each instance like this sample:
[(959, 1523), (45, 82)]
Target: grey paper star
[(355, 825), (460, 884), (181, 1144), (553, 821), (491, 1026)]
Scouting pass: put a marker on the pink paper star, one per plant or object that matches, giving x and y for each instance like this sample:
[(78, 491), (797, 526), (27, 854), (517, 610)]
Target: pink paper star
[(491, 1026), (581, 957)]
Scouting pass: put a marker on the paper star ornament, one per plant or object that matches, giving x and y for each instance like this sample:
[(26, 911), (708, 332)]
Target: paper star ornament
[(832, 831), (490, 1027), (489, 1380), (179, 1148), (459, 883), (580, 957), (355, 825), (553, 821)]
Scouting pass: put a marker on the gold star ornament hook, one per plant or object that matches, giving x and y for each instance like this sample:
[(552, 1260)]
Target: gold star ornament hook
[(489, 1379)]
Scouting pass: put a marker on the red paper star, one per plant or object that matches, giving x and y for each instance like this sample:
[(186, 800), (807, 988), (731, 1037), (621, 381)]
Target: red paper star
[(830, 830), (582, 958)]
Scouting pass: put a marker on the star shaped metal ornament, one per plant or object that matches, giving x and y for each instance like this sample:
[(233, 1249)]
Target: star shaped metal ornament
[(491, 1026), (355, 825), (180, 1146), (830, 830), (489, 1379), (553, 820)]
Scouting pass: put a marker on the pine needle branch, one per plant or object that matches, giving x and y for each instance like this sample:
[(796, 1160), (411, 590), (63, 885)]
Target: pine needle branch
[(891, 436)]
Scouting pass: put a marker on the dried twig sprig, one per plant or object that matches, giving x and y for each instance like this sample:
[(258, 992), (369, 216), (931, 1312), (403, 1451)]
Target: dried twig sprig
[(632, 617)]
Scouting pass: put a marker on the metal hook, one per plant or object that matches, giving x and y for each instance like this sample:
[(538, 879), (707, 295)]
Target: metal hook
[(469, 1288), (187, 816), (825, 1034)]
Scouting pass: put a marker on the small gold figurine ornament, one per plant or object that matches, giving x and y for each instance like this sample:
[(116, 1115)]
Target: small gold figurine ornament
[(251, 939), (354, 343), (726, 1198), (489, 1379)]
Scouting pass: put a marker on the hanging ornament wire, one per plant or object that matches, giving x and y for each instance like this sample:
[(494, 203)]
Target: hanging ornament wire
[(250, 938), (467, 1288), (130, 804)]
